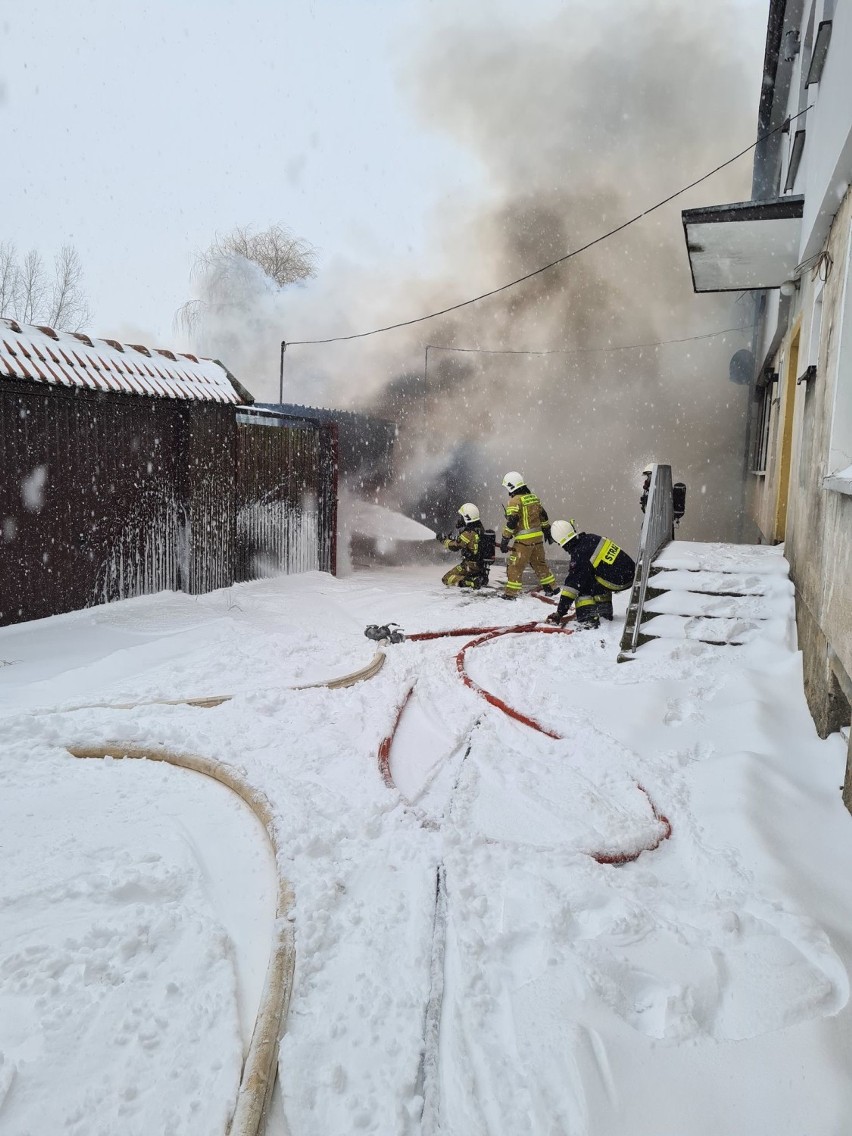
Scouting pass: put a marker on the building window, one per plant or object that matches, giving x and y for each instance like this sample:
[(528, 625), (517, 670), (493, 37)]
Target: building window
[(762, 421)]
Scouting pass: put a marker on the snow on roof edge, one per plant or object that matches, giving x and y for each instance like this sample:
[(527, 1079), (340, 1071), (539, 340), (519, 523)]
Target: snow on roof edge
[(35, 353)]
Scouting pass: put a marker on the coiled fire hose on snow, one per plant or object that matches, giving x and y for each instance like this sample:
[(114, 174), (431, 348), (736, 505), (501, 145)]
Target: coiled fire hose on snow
[(391, 633)]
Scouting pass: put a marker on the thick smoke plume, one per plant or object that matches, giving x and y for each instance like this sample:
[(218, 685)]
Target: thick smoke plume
[(579, 121)]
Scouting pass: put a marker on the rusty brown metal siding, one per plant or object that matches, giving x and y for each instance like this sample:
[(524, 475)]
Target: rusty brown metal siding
[(141, 495), (138, 532), (286, 497), (116, 514), (211, 496), (329, 472)]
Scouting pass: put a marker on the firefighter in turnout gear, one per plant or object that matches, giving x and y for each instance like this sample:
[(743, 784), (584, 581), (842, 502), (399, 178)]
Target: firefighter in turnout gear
[(678, 497), (473, 570), (646, 485), (527, 526), (598, 567)]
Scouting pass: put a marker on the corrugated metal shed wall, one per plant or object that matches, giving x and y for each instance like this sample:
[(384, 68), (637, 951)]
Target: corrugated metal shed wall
[(365, 443), (106, 497), (103, 497), (286, 497), (211, 496)]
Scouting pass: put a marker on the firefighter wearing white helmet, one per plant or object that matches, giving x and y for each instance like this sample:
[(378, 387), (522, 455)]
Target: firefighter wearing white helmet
[(527, 527), (598, 567), (471, 542), (678, 497)]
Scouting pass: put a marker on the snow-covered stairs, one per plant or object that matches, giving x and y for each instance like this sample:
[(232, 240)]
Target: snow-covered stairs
[(728, 594)]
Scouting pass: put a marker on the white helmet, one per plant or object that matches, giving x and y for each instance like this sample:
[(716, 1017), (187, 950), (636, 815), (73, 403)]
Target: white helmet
[(513, 481), (563, 531), (469, 512), (647, 471)]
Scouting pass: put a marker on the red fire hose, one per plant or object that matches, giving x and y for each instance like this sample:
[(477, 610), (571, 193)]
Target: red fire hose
[(485, 635), (495, 633), (386, 743)]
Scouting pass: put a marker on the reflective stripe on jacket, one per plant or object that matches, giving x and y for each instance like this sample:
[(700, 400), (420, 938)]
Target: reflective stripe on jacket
[(467, 542), (610, 564), (606, 552), (525, 519)]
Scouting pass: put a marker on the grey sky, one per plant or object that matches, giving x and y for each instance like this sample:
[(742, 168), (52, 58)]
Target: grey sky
[(137, 130)]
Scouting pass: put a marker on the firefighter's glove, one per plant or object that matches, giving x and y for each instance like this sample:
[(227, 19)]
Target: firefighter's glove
[(555, 618), (548, 536), (504, 545)]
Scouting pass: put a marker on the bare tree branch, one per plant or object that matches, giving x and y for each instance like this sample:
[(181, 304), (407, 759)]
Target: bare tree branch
[(231, 275), (33, 288), (8, 278), (188, 316), (68, 307), (28, 294), (285, 259)]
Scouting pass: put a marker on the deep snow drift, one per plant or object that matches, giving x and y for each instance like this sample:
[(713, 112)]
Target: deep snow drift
[(700, 990)]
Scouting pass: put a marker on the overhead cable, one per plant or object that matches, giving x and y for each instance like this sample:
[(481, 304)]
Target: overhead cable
[(553, 263), (582, 350)]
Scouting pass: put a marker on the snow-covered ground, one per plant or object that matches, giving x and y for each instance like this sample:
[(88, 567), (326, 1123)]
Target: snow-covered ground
[(700, 990)]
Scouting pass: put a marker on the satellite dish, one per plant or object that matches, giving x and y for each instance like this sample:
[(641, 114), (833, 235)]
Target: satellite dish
[(741, 367)]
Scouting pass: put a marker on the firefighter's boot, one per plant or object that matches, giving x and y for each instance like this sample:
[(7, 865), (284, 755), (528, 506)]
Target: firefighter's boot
[(587, 615), (549, 590), (604, 604)]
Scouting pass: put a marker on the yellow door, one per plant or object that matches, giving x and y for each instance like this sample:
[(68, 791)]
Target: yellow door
[(787, 403)]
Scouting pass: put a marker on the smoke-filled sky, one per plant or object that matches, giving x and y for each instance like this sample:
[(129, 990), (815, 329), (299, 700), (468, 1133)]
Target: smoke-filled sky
[(431, 151)]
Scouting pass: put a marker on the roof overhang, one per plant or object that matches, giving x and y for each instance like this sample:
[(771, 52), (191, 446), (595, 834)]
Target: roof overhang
[(749, 244), (73, 359)]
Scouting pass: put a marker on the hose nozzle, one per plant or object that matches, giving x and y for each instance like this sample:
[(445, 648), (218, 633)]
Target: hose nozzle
[(385, 632)]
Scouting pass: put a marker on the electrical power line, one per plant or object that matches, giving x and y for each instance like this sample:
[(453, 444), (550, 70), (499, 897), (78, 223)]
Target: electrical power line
[(583, 350), (552, 264)]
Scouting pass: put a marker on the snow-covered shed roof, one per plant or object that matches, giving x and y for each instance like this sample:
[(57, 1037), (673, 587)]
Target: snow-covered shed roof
[(73, 359)]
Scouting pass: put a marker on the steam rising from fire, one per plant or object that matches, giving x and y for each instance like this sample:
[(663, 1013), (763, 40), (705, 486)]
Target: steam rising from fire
[(579, 121)]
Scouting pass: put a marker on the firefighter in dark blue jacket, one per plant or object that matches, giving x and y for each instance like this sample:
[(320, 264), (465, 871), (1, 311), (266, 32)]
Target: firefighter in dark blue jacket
[(598, 567)]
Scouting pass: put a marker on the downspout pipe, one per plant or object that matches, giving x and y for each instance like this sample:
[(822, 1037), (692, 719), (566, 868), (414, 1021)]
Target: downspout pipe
[(762, 187)]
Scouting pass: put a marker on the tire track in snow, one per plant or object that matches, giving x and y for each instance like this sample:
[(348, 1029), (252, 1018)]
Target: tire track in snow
[(428, 1079)]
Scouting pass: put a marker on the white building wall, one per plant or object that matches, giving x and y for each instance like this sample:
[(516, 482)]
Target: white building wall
[(826, 166), (815, 417), (827, 163), (819, 520)]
